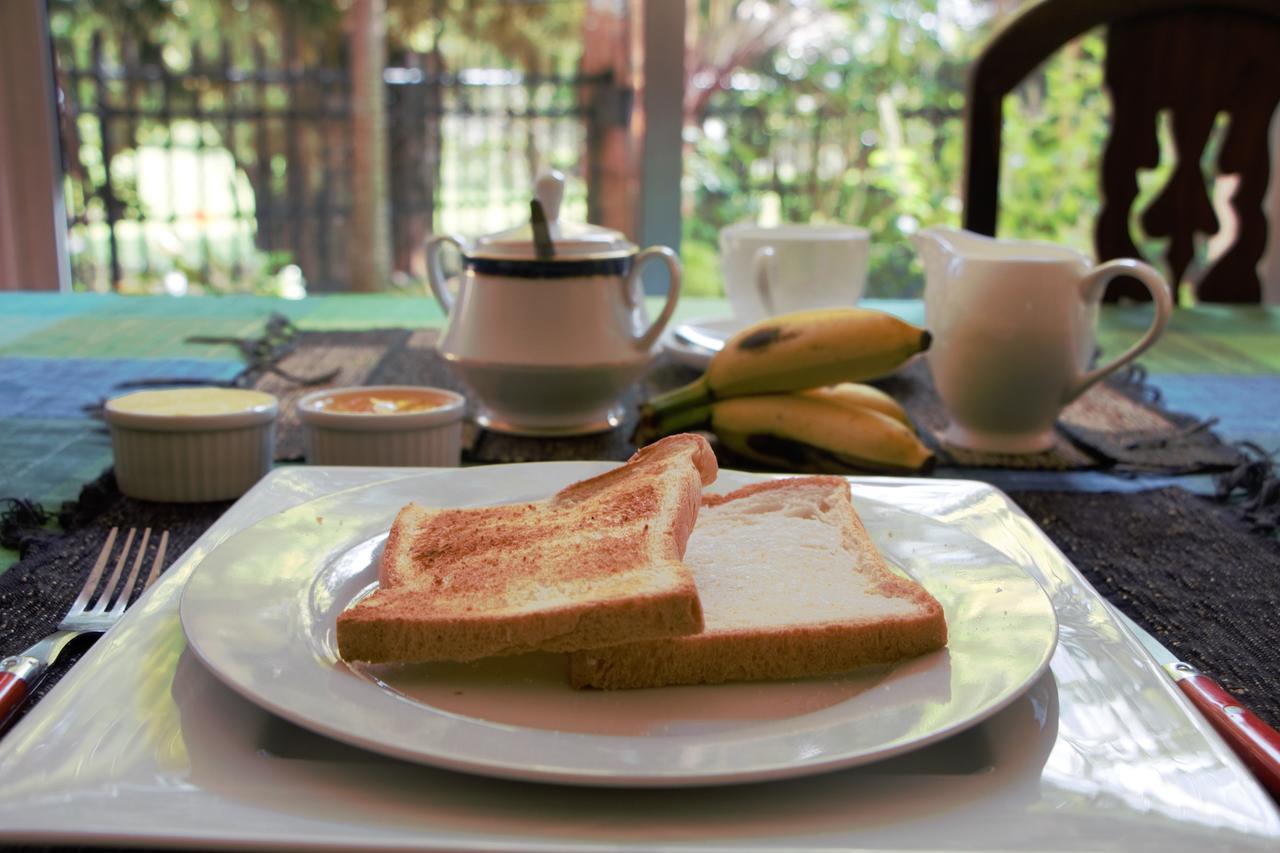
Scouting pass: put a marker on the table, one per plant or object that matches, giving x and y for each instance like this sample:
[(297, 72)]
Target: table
[(1214, 362), (61, 353)]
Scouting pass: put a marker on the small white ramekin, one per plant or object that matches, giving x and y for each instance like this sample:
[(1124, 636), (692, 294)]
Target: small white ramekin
[(431, 438), (192, 444)]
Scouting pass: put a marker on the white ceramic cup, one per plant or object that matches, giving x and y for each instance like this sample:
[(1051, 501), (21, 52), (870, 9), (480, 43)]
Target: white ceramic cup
[(774, 270)]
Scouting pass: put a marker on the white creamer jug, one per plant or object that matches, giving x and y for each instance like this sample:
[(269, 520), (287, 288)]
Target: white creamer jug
[(1013, 333)]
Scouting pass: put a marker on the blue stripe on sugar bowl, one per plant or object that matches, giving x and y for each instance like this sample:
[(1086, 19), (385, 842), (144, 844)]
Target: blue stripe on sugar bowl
[(613, 265)]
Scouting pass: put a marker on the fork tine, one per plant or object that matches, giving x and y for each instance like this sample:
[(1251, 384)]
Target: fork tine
[(126, 589), (109, 589), (86, 592), (158, 564)]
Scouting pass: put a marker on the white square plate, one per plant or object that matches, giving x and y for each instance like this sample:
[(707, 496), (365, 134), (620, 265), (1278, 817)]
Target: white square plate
[(141, 744)]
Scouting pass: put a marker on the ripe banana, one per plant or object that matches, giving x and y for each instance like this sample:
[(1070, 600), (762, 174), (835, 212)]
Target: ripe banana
[(857, 395), (805, 433), (799, 351), (820, 432)]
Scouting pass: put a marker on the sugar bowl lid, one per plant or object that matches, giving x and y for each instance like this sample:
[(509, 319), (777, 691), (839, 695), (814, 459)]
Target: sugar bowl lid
[(545, 238)]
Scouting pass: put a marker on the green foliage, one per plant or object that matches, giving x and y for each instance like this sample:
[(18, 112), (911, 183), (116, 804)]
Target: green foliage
[(198, 52), (1053, 139), (259, 274), (862, 122), (835, 111), (701, 267), (176, 32), (489, 34)]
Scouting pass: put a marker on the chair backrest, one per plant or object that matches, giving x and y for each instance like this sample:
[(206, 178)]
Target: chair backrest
[(1195, 59)]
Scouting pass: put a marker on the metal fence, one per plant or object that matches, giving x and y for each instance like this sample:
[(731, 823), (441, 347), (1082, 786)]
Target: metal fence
[(234, 167)]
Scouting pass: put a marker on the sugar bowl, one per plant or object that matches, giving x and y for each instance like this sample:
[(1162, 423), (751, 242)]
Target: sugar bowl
[(548, 326)]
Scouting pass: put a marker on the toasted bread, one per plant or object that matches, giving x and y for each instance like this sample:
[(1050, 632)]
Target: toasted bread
[(791, 586), (596, 564)]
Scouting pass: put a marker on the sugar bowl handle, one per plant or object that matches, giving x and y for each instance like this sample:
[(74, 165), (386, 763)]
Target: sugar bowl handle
[(435, 269), (646, 340)]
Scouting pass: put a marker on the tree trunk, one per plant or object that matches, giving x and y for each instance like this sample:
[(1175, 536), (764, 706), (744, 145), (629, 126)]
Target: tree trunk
[(610, 164), (414, 153), (369, 248)]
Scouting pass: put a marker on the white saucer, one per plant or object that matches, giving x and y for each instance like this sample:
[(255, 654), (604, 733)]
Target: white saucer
[(681, 340)]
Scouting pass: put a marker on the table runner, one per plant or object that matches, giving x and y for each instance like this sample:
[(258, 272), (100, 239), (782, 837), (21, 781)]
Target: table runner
[(1118, 424), (37, 590), (1219, 360), (1192, 573), (409, 357)]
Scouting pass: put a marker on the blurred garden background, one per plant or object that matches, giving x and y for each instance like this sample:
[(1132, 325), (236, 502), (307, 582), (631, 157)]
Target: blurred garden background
[(215, 146)]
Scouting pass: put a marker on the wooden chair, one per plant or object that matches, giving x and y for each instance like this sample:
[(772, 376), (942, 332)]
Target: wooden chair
[(1194, 58)]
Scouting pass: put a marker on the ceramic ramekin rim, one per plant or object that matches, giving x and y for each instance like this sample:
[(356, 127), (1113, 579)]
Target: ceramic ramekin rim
[(254, 416), (358, 422)]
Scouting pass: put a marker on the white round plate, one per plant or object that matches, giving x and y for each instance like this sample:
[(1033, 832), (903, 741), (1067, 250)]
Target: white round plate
[(689, 353), (260, 612)]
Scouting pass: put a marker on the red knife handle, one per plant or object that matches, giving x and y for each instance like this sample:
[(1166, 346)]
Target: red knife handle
[(13, 692), (18, 677), (1257, 744)]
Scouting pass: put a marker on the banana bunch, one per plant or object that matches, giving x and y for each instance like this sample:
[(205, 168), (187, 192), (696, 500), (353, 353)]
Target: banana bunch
[(787, 393)]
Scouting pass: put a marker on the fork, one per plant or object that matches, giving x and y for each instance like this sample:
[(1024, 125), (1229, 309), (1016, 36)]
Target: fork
[(20, 674)]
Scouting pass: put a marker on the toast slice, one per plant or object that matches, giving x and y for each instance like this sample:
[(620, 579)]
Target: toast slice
[(598, 563), (791, 586)]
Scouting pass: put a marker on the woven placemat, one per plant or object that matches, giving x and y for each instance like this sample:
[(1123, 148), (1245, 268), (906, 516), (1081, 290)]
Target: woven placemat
[(36, 591), (1117, 424), (1190, 571), (401, 357)]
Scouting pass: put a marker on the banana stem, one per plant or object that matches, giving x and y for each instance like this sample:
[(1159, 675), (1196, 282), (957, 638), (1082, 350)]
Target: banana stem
[(696, 393), (656, 424)]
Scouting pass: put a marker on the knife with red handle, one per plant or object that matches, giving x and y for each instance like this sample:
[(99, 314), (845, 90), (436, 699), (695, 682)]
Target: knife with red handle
[(13, 692), (20, 674), (1255, 742), (1250, 737)]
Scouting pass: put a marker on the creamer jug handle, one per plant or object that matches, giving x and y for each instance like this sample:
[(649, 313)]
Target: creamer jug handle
[(1091, 287), (645, 341), (435, 269)]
